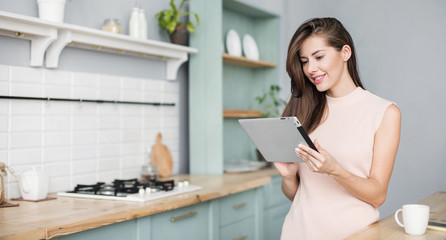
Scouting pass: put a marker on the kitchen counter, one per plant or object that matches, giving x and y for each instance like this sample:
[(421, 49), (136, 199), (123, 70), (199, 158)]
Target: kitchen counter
[(389, 229), (67, 215)]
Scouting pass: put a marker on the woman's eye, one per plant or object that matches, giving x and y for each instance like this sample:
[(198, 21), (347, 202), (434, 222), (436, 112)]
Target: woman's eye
[(319, 57), (304, 62)]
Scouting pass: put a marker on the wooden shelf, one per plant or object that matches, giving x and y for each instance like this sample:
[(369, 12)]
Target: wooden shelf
[(52, 38), (245, 62), (233, 113)]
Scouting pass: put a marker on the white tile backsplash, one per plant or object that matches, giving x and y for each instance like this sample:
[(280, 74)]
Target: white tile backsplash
[(25, 140), (81, 143)]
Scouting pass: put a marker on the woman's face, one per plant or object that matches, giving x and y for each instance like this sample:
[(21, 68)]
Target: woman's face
[(323, 65)]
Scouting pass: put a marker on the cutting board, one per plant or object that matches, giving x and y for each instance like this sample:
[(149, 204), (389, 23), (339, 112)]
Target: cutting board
[(161, 157)]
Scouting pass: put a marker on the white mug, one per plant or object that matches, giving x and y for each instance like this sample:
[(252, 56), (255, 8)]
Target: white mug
[(415, 218)]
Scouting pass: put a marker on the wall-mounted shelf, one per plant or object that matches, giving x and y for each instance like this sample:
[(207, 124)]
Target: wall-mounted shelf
[(245, 62), (42, 33), (233, 113)]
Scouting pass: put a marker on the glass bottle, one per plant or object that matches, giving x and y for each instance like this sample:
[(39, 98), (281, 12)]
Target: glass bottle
[(142, 24), (134, 23)]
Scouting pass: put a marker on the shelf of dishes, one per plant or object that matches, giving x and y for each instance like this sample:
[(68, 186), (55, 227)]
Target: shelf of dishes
[(246, 62), (234, 113), (51, 38)]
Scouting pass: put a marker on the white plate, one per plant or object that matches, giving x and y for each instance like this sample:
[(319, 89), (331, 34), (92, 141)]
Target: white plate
[(233, 44), (250, 49)]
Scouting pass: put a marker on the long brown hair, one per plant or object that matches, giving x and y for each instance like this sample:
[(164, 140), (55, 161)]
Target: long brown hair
[(306, 102)]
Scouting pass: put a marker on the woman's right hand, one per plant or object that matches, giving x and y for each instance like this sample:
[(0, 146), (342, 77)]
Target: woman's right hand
[(287, 169)]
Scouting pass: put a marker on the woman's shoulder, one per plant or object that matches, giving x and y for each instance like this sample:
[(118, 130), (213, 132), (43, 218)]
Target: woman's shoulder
[(373, 99)]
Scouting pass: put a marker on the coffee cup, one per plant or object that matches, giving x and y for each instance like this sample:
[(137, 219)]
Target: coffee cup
[(415, 218)]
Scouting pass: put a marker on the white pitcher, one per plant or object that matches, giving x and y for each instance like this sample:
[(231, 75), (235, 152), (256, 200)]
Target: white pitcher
[(33, 184)]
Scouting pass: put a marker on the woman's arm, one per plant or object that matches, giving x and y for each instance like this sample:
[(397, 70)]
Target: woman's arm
[(372, 190), (290, 178)]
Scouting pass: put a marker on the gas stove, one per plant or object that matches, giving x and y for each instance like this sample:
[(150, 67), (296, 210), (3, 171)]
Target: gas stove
[(130, 190)]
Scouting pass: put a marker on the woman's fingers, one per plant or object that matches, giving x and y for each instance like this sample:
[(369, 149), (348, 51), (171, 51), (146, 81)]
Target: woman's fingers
[(313, 163)]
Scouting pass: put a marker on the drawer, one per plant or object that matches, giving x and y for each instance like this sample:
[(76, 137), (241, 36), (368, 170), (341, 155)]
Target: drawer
[(191, 222), (241, 230), (273, 194), (236, 207)]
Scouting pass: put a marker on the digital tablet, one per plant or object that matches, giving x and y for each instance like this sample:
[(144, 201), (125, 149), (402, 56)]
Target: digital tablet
[(277, 138)]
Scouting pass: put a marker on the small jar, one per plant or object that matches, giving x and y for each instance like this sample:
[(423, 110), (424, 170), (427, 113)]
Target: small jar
[(150, 173), (112, 25)]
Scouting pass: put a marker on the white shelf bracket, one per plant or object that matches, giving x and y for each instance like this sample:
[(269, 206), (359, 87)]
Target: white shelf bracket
[(38, 47), (172, 66), (53, 52)]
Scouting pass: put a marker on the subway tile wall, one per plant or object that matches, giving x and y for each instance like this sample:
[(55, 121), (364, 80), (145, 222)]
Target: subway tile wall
[(82, 143)]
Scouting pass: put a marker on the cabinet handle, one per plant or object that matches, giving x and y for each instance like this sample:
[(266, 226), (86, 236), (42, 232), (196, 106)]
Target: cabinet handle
[(239, 205), (173, 219), (241, 237)]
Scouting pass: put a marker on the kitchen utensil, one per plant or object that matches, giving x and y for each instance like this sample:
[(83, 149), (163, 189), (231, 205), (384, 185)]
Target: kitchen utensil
[(33, 184), (161, 157)]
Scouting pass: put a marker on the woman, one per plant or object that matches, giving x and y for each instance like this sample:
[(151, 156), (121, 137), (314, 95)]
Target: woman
[(337, 190)]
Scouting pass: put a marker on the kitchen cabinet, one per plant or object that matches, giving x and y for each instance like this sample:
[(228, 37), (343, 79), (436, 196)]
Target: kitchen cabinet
[(276, 207), (223, 88), (184, 223)]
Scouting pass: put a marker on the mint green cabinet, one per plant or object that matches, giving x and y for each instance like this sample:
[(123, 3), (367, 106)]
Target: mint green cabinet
[(124, 230), (276, 207), (243, 229), (190, 222), (215, 85)]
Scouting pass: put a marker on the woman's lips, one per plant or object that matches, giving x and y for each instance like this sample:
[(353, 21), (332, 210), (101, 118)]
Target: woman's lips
[(318, 79)]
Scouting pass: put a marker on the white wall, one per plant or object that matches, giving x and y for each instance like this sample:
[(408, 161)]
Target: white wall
[(401, 46), (82, 143)]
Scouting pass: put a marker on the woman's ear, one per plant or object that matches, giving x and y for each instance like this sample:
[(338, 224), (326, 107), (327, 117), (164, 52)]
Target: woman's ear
[(346, 52)]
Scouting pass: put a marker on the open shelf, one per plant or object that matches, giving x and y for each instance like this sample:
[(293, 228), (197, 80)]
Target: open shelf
[(245, 62), (233, 113), (52, 38)]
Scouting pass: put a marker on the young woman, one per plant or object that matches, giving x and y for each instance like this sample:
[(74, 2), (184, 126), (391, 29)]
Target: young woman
[(336, 191)]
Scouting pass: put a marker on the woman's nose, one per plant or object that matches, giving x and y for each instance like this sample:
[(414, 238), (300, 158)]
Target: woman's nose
[(312, 67)]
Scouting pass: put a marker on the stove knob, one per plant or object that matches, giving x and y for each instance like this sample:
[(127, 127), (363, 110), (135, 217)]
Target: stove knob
[(142, 191)]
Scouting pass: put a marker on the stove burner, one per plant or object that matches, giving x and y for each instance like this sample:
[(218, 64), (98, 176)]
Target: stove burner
[(122, 187)]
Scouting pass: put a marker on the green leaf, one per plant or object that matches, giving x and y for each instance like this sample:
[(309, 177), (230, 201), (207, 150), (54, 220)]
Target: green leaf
[(190, 27)]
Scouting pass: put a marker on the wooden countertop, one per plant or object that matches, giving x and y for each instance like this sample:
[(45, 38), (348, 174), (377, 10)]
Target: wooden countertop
[(66, 215), (389, 229)]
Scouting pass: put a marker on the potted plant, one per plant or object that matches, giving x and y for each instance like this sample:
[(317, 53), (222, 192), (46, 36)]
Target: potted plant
[(172, 20), (270, 102)]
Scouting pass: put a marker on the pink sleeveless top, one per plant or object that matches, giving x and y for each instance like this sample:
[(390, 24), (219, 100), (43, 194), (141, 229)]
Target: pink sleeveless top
[(322, 208)]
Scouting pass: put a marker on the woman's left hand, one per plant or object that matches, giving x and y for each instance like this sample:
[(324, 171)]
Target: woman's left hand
[(321, 162)]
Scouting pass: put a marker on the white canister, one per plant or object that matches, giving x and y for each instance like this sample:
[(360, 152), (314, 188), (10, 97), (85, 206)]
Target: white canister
[(33, 185), (51, 10)]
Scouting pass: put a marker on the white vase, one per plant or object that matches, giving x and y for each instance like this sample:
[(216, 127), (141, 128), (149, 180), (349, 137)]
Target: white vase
[(51, 10)]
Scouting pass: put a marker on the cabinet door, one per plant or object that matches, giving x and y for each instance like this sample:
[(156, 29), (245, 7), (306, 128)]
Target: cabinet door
[(243, 229), (190, 222), (273, 221), (236, 207), (273, 194), (117, 231)]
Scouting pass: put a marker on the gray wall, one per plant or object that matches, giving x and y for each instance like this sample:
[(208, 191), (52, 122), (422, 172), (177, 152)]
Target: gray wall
[(401, 46)]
